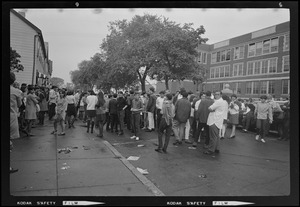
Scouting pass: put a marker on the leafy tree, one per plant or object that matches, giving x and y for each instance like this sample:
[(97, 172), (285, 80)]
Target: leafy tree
[(176, 48), (128, 47), (55, 81), (15, 65)]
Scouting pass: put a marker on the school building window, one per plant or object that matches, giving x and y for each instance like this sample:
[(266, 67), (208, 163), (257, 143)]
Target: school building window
[(227, 71), (239, 52), (285, 86), (248, 87), (286, 63), (202, 57), (212, 73), (271, 88), (262, 66), (213, 58), (256, 87), (273, 65), (221, 56), (286, 42), (263, 47), (263, 87), (237, 69), (237, 88)]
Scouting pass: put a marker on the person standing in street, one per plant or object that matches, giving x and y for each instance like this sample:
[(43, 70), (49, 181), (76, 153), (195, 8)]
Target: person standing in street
[(167, 113), (182, 114), (136, 108), (263, 114), (151, 109), (121, 106), (233, 114), (91, 101), (159, 103), (53, 96), (43, 106), (215, 122), (77, 97), (30, 110), (224, 126), (100, 113), (113, 113), (248, 116), (15, 103), (202, 113), (60, 113), (71, 109)]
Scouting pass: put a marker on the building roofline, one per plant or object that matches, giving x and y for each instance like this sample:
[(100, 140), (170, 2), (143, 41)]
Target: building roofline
[(33, 27), (249, 32)]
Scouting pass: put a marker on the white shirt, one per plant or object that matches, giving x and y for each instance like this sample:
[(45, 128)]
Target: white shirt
[(159, 102), (197, 104), (91, 101), (217, 115), (70, 99)]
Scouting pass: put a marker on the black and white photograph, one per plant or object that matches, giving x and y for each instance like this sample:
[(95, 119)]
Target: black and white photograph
[(150, 103)]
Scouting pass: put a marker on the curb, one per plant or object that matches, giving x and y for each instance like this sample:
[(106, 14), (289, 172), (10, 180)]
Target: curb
[(141, 177)]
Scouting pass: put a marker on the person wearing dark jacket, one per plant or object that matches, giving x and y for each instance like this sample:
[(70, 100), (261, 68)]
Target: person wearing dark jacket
[(121, 106), (202, 115), (151, 109), (113, 112), (182, 114)]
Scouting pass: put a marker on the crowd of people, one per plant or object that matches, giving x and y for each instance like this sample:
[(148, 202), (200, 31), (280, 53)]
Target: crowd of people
[(187, 116)]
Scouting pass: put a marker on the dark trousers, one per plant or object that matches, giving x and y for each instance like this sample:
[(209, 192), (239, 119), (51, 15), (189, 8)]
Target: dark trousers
[(247, 120), (107, 121), (114, 122), (100, 120), (158, 117), (128, 118), (41, 117), (261, 125), (51, 110), (121, 115), (198, 130), (214, 138), (163, 126), (286, 129), (136, 123)]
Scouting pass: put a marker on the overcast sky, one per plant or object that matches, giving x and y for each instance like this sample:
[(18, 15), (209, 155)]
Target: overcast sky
[(75, 35)]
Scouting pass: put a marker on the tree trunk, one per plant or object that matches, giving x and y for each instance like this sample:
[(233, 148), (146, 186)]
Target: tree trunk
[(167, 82), (143, 84)]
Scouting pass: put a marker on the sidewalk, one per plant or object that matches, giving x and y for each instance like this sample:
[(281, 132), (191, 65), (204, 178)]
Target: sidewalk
[(93, 167)]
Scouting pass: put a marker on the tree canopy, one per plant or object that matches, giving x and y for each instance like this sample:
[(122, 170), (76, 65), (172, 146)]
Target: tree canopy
[(15, 65), (147, 45)]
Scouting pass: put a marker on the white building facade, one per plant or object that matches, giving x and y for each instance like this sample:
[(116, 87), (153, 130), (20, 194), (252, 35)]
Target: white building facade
[(28, 42)]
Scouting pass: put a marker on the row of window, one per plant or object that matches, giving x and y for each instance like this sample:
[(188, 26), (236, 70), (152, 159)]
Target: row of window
[(254, 49), (266, 87), (265, 66), (257, 87)]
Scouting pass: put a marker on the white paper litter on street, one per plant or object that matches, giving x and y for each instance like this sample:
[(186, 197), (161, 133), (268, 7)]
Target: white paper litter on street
[(64, 168), (192, 148), (141, 145), (144, 172), (133, 158)]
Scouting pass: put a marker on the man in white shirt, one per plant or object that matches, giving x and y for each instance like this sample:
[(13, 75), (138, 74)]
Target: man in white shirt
[(215, 122), (159, 104)]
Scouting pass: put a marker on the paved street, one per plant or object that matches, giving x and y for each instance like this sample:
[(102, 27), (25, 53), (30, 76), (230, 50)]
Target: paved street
[(99, 167)]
